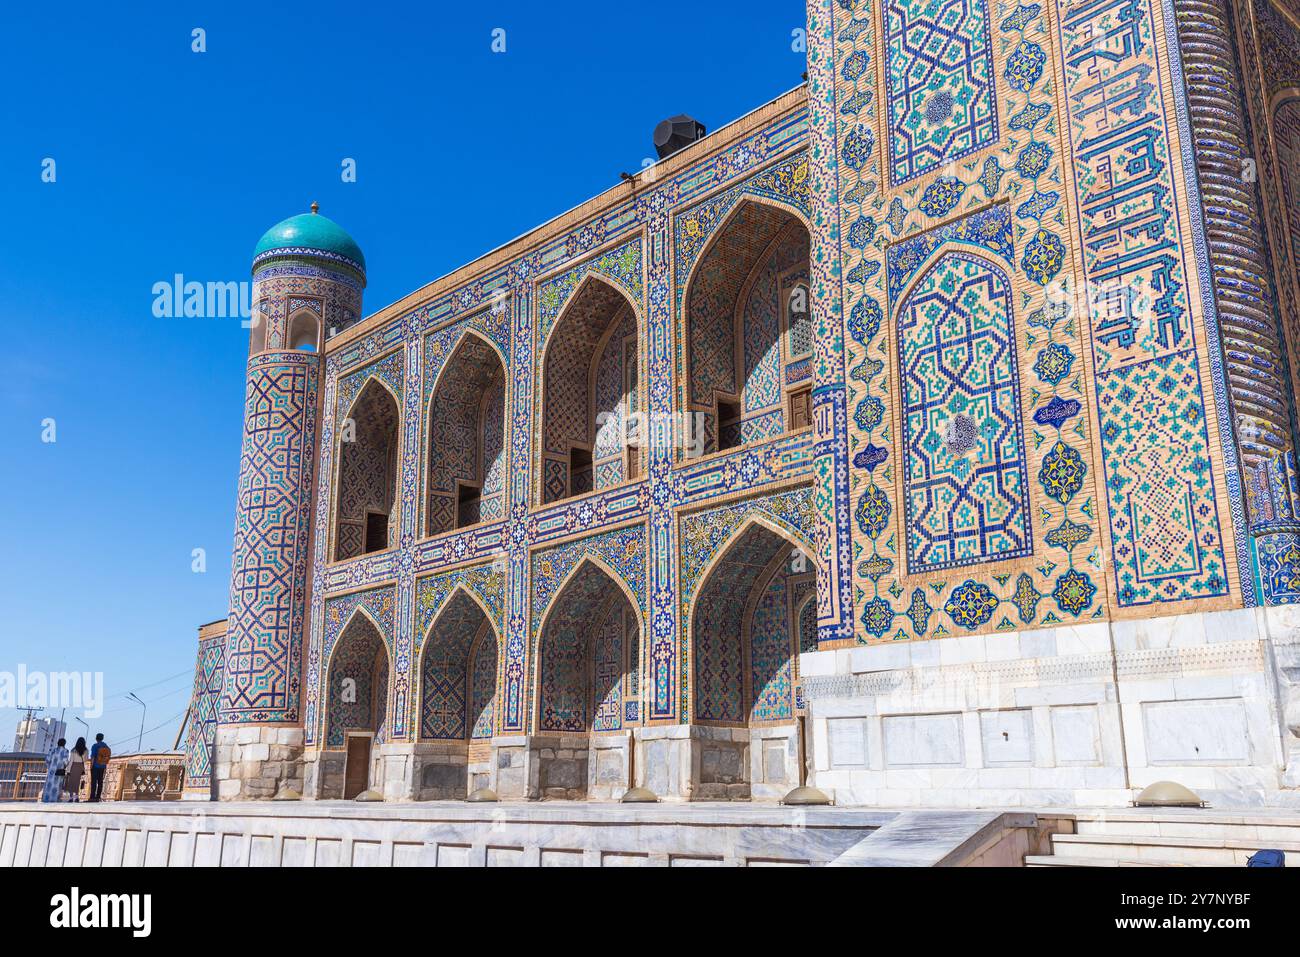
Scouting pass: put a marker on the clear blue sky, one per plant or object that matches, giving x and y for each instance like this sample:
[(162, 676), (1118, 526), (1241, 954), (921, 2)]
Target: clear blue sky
[(170, 161)]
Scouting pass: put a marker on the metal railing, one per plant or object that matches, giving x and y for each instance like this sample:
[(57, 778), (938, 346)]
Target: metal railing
[(21, 780)]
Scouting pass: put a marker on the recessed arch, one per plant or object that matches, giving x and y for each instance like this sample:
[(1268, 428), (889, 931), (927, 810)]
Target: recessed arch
[(366, 504), (458, 670), (303, 331), (743, 642), (587, 653), (466, 452), (740, 378), (590, 384), (357, 684), (259, 321)]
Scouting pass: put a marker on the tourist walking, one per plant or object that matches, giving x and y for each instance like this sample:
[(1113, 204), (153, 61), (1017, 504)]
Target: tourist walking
[(76, 768), (99, 755), (56, 763)]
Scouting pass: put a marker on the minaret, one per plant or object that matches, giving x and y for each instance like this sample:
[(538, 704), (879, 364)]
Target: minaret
[(308, 277)]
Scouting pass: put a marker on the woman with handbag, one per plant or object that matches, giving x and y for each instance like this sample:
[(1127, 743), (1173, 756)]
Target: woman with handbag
[(56, 765), (76, 768)]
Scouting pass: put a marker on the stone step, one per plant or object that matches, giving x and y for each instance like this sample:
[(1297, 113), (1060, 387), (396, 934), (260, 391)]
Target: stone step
[(1204, 851), (1065, 860), (1266, 832)]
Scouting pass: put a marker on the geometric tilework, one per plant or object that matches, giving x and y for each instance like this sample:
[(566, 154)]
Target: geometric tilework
[(1158, 483), (568, 414), (773, 648), (1160, 491), (583, 654), (449, 705), (268, 584), (200, 737), (376, 607), (939, 75), (358, 683), (466, 435), (367, 479), (965, 487), (734, 318), (741, 631), (716, 644)]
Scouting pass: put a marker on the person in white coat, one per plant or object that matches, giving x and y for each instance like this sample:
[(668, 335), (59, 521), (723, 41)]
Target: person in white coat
[(56, 766)]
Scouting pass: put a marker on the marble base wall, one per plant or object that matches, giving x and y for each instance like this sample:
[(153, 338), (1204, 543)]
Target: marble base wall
[(1077, 715), (254, 761), (773, 761)]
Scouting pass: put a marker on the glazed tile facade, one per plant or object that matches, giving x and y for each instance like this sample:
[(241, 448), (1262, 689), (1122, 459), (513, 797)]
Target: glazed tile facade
[(1037, 397)]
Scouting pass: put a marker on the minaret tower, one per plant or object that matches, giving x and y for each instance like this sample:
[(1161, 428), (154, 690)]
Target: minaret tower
[(308, 277)]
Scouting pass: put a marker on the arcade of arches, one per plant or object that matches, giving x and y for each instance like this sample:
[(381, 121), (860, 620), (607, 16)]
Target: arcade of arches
[(747, 378)]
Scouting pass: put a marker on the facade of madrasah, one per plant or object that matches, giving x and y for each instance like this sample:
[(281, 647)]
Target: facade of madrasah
[(926, 436)]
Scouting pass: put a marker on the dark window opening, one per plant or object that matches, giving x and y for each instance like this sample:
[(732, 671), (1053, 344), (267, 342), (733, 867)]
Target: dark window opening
[(729, 432), (376, 532), (467, 506), (580, 476)]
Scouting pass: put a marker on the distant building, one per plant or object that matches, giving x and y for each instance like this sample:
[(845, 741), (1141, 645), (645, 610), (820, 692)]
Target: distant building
[(38, 735)]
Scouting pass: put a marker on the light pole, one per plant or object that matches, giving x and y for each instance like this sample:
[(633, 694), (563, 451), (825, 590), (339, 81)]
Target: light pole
[(143, 709)]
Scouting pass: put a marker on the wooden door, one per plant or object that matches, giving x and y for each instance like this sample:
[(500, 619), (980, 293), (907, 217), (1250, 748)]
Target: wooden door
[(356, 769)]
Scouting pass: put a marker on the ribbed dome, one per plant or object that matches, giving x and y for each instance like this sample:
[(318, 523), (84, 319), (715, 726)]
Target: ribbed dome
[(307, 233)]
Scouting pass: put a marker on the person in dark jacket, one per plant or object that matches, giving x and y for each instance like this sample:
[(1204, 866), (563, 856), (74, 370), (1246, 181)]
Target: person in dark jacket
[(99, 755)]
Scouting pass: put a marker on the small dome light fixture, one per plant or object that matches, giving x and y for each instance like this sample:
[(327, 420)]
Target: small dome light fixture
[(805, 796), (1167, 794)]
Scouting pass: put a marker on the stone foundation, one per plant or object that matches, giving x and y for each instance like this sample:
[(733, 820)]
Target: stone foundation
[(1078, 715), (323, 775), (253, 761), (557, 767)]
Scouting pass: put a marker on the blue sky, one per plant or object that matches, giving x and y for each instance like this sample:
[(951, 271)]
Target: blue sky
[(169, 161)]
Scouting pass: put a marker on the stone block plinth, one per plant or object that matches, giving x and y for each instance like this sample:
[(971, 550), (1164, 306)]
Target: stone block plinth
[(254, 761)]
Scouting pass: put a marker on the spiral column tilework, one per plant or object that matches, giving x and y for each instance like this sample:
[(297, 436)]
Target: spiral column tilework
[(1254, 347)]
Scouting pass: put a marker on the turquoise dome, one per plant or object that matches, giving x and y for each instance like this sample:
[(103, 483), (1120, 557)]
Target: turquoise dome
[(307, 232)]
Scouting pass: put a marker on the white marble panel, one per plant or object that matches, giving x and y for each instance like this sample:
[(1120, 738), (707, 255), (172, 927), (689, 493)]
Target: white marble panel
[(923, 740), (1007, 737), (1195, 732)]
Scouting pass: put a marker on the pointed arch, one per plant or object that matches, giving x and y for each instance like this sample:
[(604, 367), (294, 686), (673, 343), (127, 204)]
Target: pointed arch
[(757, 199), (590, 380), (465, 446), (473, 596), (371, 380), (587, 653), (741, 646), (366, 503), (932, 258), (579, 287), (959, 403), (458, 668), (357, 686), (737, 372)]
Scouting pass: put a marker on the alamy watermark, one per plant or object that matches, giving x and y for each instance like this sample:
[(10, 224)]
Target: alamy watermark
[(75, 690)]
